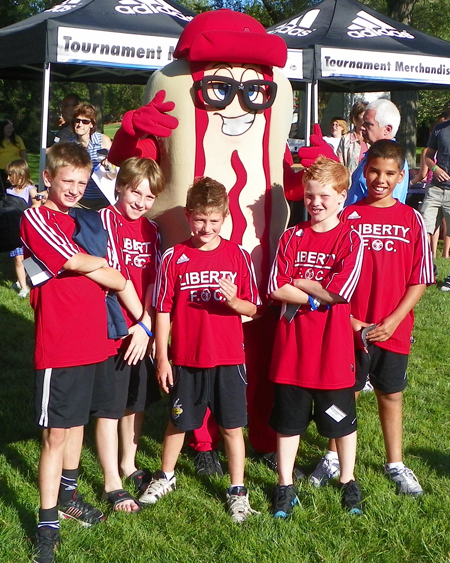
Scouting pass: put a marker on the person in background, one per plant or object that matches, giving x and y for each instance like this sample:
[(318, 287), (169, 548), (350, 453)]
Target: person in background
[(381, 121), (11, 148), (338, 127), (68, 104), (18, 175), (84, 126), (352, 146)]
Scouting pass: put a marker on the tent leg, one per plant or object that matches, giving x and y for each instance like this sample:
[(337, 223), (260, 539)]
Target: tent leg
[(44, 124), (316, 101), (308, 113)]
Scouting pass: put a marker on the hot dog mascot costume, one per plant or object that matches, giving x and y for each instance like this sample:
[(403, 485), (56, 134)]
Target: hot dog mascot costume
[(222, 110)]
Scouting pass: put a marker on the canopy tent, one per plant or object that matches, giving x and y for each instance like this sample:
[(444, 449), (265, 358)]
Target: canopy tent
[(115, 41), (349, 47)]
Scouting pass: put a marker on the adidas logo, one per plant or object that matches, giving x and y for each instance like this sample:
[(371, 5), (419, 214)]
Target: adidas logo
[(298, 27), (354, 215), (65, 6), (365, 25), (182, 259), (146, 7), (299, 233)]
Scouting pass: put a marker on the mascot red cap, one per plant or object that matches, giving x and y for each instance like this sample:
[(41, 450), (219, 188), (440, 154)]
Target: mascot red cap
[(224, 35)]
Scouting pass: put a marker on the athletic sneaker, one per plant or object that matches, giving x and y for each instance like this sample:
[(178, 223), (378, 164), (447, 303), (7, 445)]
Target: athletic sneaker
[(238, 504), (326, 469), (368, 387), (405, 480), (46, 541), (351, 497), (283, 501), (207, 463), (24, 292), (78, 509), (158, 487), (446, 285)]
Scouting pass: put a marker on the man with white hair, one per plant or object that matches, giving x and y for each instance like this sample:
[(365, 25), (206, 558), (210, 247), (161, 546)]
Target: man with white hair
[(381, 121)]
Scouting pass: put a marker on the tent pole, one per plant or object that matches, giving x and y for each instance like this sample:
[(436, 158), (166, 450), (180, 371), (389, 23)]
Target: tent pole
[(44, 123), (307, 113), (316, 101)]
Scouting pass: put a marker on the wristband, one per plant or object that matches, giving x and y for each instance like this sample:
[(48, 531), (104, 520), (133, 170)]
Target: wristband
[(434, 168), (315, 303), (149, 332)]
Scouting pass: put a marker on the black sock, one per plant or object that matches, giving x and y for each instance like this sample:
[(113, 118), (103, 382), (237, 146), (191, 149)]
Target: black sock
[(68, 484), (48, 517)]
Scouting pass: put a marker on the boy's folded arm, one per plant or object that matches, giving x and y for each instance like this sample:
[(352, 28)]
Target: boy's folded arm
[(290, 294), (313, 288), (96, 269), (387, 326)]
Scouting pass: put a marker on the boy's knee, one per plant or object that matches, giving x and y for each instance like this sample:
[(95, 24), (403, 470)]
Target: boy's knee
[(54, 437)]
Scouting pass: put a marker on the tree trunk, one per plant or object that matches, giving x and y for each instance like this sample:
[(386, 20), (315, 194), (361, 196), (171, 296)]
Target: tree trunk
[(96, 99), (407, 101)]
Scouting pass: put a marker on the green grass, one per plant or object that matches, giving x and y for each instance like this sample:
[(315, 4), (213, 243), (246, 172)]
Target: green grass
[(191, 524)]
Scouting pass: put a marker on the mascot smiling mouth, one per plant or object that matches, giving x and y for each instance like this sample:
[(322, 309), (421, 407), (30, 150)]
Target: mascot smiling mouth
[(234, 126)]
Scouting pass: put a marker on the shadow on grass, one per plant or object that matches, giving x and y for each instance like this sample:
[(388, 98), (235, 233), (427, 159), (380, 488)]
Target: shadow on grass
[(437, 461)]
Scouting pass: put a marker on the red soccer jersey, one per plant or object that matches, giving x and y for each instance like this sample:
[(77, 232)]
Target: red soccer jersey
[(396, 255), (315, 350), (69, 309), (133, 249), (205, 331)]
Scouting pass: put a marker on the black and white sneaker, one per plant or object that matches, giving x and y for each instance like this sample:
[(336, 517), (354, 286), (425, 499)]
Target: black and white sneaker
[(207, 463), (46, 541), (446, 285), (351, 497), (159, 486), (283, 501), (78, 509)]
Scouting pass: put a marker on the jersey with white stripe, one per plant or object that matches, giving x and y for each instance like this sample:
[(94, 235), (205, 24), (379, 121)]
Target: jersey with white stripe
[(205, 331), (314, 349), (396, 255), (69, 309), (133, 249)]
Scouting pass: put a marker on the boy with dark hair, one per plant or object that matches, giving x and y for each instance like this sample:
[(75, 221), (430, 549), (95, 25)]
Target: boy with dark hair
[(315, 272), (133, 249), (204, 285), (71, 340), (397, 267)]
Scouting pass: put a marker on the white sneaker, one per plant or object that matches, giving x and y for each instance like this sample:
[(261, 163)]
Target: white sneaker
[(405, 480), (368, 387), (24, 292), (157, 488), (238, 504), (326, 469)]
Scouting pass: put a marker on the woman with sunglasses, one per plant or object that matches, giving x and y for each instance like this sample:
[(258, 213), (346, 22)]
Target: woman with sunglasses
[(84, 125), (11, 148)]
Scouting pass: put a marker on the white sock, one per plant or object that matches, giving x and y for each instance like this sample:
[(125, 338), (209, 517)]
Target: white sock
[(169, 474), (331, 455), (395, 465)]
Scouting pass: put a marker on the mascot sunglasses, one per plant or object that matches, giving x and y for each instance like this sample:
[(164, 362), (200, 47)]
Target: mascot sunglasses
[(219, 92)]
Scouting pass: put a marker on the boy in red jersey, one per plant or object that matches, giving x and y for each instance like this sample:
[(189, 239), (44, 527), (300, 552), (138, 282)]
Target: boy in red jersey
[(133, 249), (396, 269), (204, 285), (72, 348), (315, 272)]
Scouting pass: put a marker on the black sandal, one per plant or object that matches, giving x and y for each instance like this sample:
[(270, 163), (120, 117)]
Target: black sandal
[(118, 496), (140, 479)]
